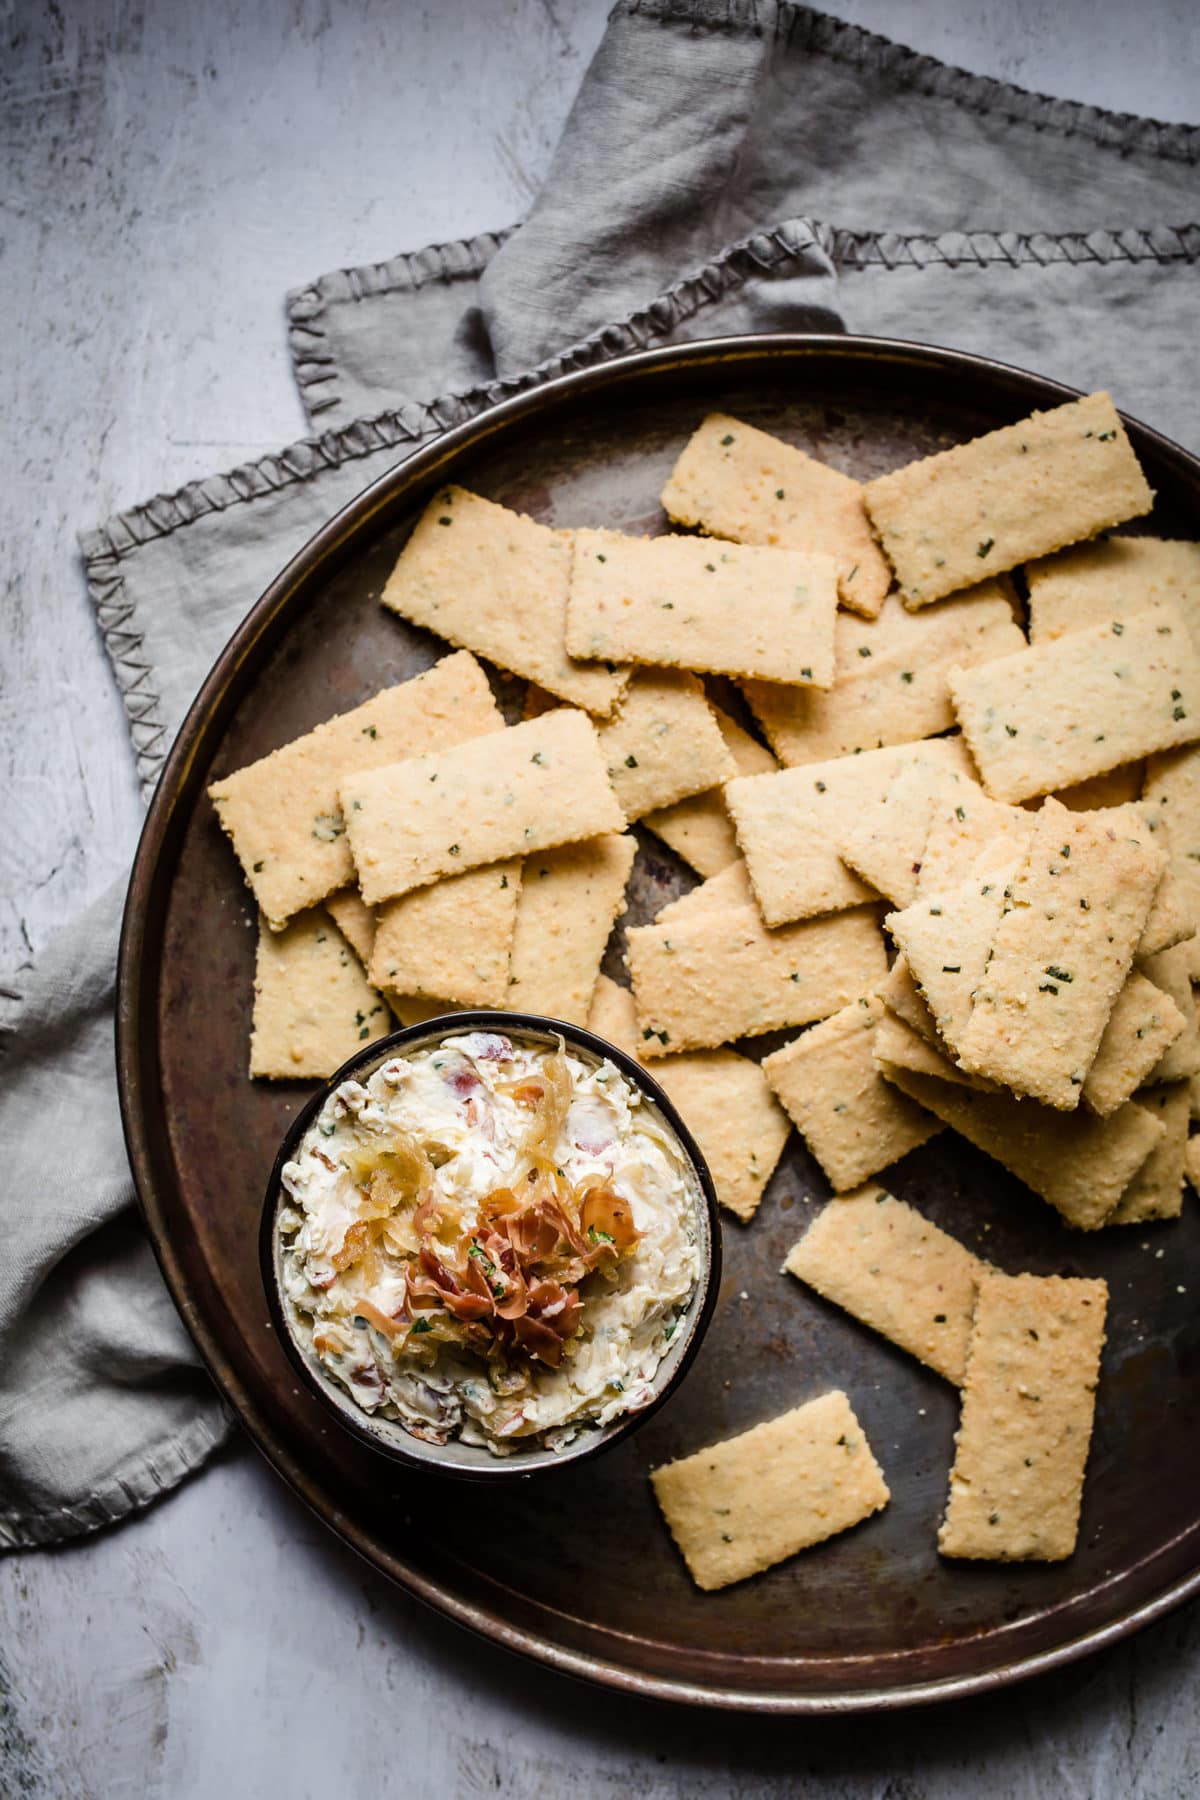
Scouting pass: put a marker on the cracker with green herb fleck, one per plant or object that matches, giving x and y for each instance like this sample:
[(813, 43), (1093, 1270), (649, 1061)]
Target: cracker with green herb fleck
[(1110, 580), (1011, 495), (1062, 712), (1029, 1396), (946, 938), (736, 482), (522, 790), (970, 829), (355, 921), (699, 829), (1079, 1163), (879, 1260), (787, 825), (1060, 954), (313, 1004), (893, 687), (724, 1099), (853, 1121), (569, 901), (1143, 1023), (687, 602), (664, 744), (1172, 787), (496, 582), (706, 978), (451, 940), (282, 813), (1171, 971), (881, 840), (1156, 1191), (741, 1506)]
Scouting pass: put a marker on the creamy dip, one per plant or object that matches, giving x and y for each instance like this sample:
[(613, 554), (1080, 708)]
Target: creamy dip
[(490, 1240)]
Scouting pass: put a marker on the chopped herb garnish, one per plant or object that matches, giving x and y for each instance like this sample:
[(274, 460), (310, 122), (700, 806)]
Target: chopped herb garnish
[(806, 674), (257, 867), (454, 850), (329, 826), (711, 567), (1118, 628), (1011, 730), (370, 731), (779, 493), (820, 787), (600, 1237), (864, 650), (951, 968), (1059, 974), (364, 1034), (420, 1326), (939, 1318), (600, 557), (906, 674), (445, 521), (631, 762), (1086, 905), (935, 912), (1047, 987), (985, 547), (537, 757), (959, 814), (728, 438), (1178, 712)]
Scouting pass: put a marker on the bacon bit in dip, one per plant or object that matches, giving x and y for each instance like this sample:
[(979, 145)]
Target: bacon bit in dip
[(490, 1240)]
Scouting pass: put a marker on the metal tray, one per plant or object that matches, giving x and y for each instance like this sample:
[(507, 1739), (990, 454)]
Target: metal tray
[(575, 1568)]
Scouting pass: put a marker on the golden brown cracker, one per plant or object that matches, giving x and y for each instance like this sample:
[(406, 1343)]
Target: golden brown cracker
[(452, 940), (569, 901), (699, 829), (1109, 580), (664, 744), (313, 1005)]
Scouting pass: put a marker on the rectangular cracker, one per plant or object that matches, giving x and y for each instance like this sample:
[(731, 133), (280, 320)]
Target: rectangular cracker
[(883, 1263), (730, 887), (496, 582), (664, 744), (1172, 787), (1171, 970), (569, 901), (1110, 580), (1143, 1023), (1061, 953), (1079, 1163), (450, 941), (786, 825), (898, 1045), (882, 840), (1011, 495), (699, 829), (690, 603), (1156, 1191), (283, 814), (525, 789), (1029, 1399), (709, 977), (741, 1506), (736, 482), (893, 691), (356, 922), (1061, 712), (313, 1005), (946, 938), (853, 1121), (724, 1099)]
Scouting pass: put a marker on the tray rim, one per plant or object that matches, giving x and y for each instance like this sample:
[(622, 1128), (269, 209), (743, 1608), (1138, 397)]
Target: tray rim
[(162, 825)]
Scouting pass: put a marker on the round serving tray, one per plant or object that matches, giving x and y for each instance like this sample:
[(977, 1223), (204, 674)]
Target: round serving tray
[(575, 1567)]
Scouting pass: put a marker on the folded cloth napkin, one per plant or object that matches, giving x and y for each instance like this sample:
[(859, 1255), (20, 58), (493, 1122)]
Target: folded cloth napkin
[(728, 166)]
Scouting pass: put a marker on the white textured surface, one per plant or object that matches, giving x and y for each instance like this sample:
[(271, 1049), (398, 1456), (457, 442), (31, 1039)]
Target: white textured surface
[(168, 171)]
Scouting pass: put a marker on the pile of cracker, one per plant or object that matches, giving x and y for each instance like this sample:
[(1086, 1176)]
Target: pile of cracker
[(965, 859)]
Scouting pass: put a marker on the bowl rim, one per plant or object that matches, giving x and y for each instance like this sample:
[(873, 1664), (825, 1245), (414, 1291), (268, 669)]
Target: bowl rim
[(591, 1441)]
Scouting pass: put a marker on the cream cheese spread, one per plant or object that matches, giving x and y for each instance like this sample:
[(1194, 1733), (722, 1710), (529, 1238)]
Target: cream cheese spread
[(491, 1240)]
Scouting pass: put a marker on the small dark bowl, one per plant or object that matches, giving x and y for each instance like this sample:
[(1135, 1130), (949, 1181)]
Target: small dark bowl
[(474, 1461)]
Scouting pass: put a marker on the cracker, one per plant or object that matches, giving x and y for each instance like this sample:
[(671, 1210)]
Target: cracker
[(1060, 954), (1143, 1023), (1079, 1163), (712, 976), (1171, 970), (699, 829), (496, 582), (664, 744), (1156, 1191), (1191, 1164), (946, 939), (1118, 787), (853, 1121), (883, 1263), (730, 887), (450, 941), (569, 901), (890, 692), (688, 603), (1062, 712), (1110, 580), (787, 823), (898, 1045), (971, 828), (724, 1099), (901, 995), (313, 1005), (881, 841), (355, 921), (743, 1505), (1029, 1397), (734, 481), (522, 790), (1011, 495), (283, 814), (1172, 787)]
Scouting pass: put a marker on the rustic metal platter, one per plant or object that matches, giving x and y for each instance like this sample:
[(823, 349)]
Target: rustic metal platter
[(575, 1567)]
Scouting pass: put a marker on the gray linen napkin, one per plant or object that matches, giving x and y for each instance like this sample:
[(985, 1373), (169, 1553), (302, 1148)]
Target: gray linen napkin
[(728, 166)]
